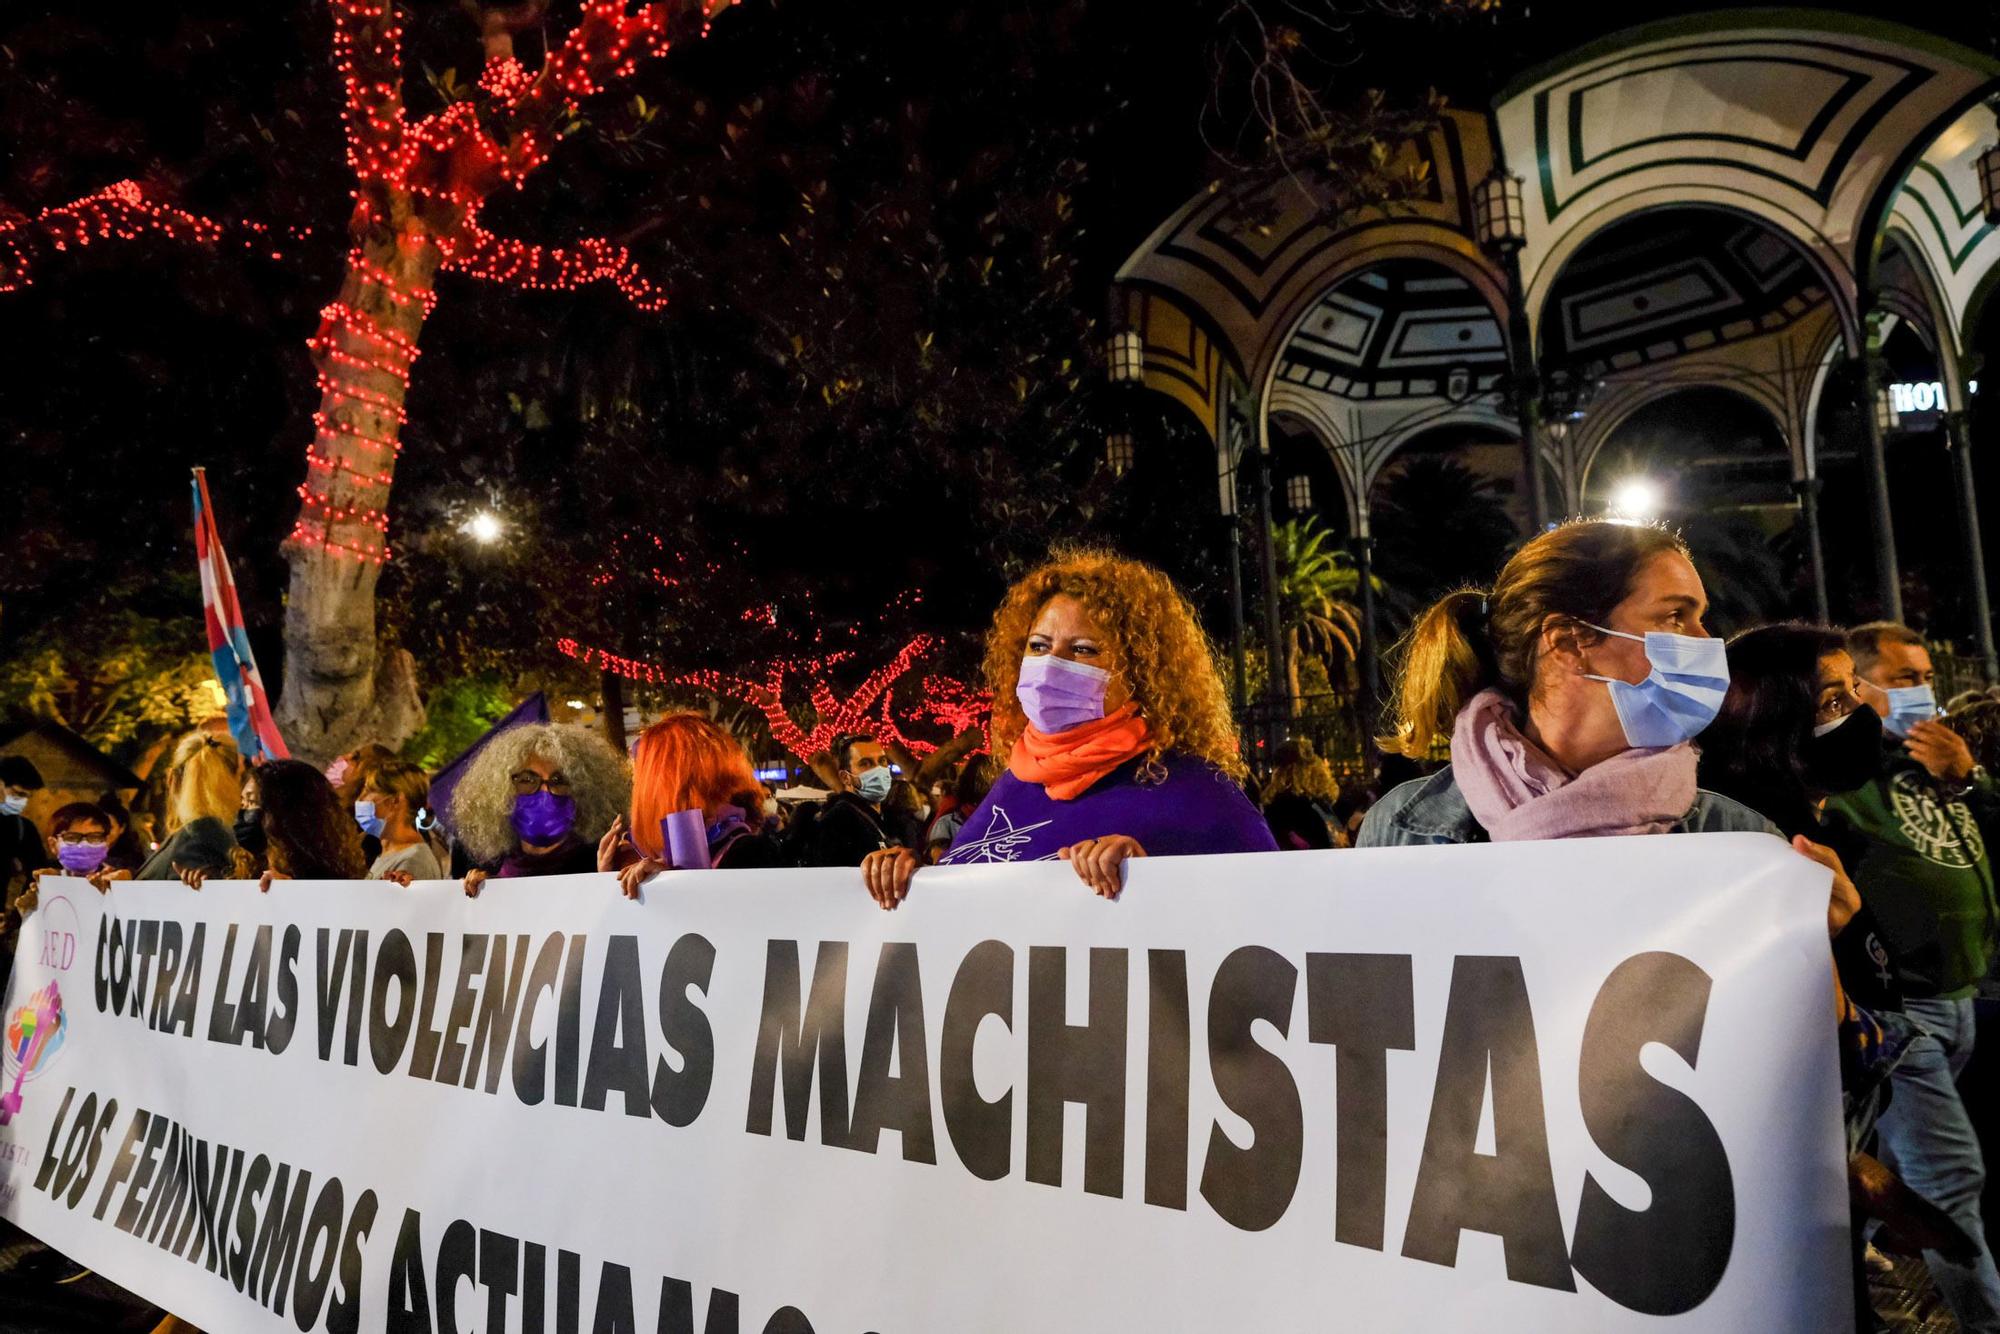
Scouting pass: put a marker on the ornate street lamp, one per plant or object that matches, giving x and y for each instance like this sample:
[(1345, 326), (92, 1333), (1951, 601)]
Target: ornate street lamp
[(1500, 222), (1989, 183), (1127, 355), (1299, 493), (1497, 212), (1119, 453)]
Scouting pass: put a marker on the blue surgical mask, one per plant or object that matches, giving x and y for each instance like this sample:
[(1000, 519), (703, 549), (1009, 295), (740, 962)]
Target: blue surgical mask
[(874, 785), (364, 815), (1679, 697), (1908, 706), (12, 805)]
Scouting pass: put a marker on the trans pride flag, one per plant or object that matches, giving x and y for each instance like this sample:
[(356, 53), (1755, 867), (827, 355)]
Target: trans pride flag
[(250, 720)]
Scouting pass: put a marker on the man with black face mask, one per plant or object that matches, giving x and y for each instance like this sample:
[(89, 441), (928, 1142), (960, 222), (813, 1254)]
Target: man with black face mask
[(1918, 831)]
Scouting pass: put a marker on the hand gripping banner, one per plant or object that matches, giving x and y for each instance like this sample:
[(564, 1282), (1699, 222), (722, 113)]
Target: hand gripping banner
[(1570, 1086)]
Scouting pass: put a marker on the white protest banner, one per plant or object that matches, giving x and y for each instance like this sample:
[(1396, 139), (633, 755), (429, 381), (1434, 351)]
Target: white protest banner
[(1573, 1086)]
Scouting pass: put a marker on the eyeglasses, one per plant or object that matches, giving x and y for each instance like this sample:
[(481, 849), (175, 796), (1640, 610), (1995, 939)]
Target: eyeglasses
[(527, 783), (77, 840)]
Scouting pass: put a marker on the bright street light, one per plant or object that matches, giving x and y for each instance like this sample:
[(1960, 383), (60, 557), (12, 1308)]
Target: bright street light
[(482, 527), (1636, 499)]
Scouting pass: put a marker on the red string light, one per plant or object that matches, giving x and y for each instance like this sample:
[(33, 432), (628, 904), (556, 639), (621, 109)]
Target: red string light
[(440, 169), (834, 715)]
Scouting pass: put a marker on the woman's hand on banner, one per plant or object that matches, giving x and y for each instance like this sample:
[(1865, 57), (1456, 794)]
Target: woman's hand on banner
[(1100, 862), (473, 880), (633, 876), (264, 881), (403, 878), (191, 876), (1846, 900), (607, 848), (887, 874)]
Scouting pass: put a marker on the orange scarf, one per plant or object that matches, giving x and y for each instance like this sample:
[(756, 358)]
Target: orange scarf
[(1067, 763)]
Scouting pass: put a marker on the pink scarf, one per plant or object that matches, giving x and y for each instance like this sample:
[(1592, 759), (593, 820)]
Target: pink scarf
[(1517, 792)]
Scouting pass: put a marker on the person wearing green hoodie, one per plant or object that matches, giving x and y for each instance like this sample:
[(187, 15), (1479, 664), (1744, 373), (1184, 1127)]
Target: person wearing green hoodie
[(1924, 869)]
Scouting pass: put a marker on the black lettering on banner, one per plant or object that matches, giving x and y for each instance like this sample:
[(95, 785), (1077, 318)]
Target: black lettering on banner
[(277, 1248), (678, 1097), (395, 962), (222, 1014), (677, 1309), (1363, 1006), (165, 975), (343, 1309), (209, 1173), (895, 1034), (531, 1058), (1667, 1258), (614, 1301), (175, 1237), (246, 1220), (458, 1255), (142, 1173), (409, 1291), (618, 1037), (534, 1261), (187, 998), (121, 1165), (1077, 1063), (499, 1265), (331, 972), (156, 1184), (219, 1239), (318, 1253), (451, 1056), (1168, 1046), (423, 1053), (252, 1005), (356, 996), (171, 1229), (149, 944), (1251, 1188), (499, 995), (788, 1320), (569, 1023), (981, 1132), (282, 1024), (100, 978), (49, 1158), (569, 1291), (799, 1041), (1510, 1192)]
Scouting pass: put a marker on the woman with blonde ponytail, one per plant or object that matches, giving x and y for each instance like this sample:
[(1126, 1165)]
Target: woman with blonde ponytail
[(1571, 692)]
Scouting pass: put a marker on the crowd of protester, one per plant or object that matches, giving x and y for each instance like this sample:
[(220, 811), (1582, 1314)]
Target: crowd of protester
[(1580, 694)]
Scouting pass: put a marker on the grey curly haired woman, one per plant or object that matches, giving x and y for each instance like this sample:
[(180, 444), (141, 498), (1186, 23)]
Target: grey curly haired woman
[(536, 801)]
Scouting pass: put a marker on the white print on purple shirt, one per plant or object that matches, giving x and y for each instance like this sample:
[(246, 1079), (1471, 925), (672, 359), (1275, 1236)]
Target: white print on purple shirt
[(998, 844)]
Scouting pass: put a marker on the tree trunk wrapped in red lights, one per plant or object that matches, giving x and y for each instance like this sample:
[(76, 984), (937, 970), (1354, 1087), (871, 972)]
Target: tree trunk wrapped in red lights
[(419, 188)]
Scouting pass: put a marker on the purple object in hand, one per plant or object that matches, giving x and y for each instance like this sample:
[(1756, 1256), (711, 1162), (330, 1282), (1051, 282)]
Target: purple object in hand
[(684, 834)]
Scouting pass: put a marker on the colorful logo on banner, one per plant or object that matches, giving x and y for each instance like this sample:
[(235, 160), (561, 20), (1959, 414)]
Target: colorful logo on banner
[(34, 1034)]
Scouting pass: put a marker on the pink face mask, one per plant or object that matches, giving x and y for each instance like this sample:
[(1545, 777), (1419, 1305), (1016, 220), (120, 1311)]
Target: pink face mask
[(1058, 694)]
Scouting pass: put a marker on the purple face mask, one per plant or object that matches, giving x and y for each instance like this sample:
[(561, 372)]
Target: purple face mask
[(543, 818), (1058, 694), (83, 858)]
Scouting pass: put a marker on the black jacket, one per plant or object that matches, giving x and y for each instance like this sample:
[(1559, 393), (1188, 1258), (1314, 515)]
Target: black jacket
[(845, 830)]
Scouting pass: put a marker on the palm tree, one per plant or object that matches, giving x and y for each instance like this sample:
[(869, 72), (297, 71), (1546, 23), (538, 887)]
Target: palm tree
[(1316, 610)]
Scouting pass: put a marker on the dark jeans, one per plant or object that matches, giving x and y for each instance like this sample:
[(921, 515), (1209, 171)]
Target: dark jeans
[(1929, 1141)]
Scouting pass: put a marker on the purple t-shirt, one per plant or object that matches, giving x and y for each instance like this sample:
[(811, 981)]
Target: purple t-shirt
[(1195, 809)]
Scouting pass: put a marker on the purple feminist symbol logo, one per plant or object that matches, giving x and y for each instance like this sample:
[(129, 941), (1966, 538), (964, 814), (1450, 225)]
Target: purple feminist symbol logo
[(34, 1032)]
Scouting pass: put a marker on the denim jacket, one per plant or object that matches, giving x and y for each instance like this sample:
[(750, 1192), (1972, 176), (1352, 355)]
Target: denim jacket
[(1431, 810)]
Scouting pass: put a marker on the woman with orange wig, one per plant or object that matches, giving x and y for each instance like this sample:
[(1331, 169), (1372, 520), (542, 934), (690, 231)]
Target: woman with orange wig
[(1119, 743), (683, 764)]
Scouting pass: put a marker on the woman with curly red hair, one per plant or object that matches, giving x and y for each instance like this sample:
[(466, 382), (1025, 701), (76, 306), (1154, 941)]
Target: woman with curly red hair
[(1112, 716), (685, 763)]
